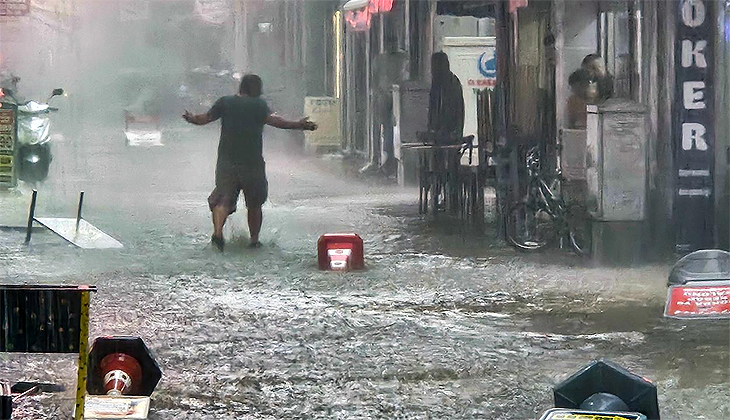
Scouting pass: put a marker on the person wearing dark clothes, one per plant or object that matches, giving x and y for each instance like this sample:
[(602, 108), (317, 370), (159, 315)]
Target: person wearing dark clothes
[(445, 119), (240, 165), (594, 65), (445, 102)]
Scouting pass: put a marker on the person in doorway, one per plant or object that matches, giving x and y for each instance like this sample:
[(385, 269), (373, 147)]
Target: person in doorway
[(240, 165), (578, 82), (600, 81), (389, 69), (445, 102), (445, 122)]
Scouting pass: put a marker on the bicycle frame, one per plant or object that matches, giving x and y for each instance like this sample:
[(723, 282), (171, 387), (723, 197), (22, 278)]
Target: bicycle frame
[(541, 196)]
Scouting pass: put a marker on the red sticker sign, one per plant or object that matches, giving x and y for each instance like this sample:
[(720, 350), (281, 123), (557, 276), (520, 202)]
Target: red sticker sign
[(698, 302), (482, 82)]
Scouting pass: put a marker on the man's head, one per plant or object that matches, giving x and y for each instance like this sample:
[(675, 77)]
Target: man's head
[(440, 65), (578, 81), (594, 63), (251, 85)]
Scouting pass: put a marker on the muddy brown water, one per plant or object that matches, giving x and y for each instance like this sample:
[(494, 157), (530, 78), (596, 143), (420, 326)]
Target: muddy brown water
[(444, 323)]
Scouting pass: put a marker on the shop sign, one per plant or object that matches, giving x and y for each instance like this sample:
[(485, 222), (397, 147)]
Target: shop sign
[(358, 13), (325, 111), (694, 128), (14, 7), (8, 132), (214, 12)]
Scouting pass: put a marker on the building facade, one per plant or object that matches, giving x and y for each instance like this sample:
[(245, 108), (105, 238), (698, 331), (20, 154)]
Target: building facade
[(668, 56)]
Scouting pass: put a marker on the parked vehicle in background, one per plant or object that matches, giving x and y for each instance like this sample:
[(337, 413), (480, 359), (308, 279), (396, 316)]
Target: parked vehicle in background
[(33, 144)]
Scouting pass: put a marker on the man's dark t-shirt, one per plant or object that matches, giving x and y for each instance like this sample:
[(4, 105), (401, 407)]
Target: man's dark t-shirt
[(241, 140)]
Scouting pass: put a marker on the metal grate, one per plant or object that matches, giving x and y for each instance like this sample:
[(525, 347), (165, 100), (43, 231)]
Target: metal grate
[(40, 319)]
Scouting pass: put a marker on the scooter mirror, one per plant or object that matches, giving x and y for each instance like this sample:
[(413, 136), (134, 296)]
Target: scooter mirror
[(57, 92)]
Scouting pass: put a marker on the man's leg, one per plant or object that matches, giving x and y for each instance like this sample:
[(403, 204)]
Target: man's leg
[(222, 202), (255, 191), (255, 218), (220, 214)]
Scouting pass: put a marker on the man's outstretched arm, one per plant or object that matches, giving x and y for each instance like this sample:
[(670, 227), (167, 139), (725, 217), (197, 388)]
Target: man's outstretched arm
[(200, 119), (278, 122)]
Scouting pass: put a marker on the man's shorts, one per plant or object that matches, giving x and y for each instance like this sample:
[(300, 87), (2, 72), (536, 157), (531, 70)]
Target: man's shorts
[(230, 181)]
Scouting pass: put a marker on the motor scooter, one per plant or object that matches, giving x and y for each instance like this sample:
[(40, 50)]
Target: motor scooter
[(33, 142)]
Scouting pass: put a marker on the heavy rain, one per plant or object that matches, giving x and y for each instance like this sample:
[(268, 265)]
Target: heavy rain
[(547, 192)]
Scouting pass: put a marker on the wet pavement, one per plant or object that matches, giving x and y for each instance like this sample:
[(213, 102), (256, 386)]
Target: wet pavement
[(446, 322)]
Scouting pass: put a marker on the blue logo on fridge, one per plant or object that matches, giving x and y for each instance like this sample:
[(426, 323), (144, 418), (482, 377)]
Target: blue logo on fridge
[(488, 64)]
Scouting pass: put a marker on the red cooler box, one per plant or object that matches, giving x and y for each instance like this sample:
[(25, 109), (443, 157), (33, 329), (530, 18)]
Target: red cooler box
[(340, 251)]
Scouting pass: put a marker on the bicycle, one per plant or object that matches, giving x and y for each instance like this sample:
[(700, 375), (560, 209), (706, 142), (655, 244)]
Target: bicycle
[(543, 216)]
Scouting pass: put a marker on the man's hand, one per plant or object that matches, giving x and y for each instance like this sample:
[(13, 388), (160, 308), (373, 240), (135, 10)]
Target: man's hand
[(201, 119), (307, 125), (278, 122)]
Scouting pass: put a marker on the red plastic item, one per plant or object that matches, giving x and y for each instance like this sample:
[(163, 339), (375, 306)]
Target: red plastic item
[(122, 374), (340, 252)]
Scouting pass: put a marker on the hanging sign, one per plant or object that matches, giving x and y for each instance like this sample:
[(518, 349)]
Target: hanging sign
[(14, 7), (694, 128), (325, 112), (8, 134), (213, 12), (358, 13)]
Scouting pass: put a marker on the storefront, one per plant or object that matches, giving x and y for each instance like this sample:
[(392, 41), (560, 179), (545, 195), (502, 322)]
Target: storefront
[(669, 57), (385, 42)]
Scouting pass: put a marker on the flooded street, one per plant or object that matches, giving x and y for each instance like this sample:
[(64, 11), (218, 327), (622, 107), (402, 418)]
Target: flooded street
[(444, 323)]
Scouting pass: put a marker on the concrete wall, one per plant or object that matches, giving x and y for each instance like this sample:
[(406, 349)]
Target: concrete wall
[(451, 26)]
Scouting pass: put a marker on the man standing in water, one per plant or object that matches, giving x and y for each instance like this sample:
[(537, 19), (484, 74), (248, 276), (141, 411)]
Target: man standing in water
[(240, 165)]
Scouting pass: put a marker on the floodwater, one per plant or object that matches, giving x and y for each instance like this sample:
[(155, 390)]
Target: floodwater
[(445, 323)]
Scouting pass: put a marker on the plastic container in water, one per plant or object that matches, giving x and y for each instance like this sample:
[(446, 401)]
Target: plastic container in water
[(701, 266), (340, 252), (699, 286)]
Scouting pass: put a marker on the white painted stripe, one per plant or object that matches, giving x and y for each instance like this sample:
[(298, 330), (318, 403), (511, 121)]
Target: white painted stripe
[(705, 192), (694, 172)]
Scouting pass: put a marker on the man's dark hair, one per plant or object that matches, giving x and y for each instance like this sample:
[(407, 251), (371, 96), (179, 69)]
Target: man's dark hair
[(251, 85), (579, 77), (590, 58)]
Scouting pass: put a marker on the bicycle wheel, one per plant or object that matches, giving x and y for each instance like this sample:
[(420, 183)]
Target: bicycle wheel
[(529, 229), (579, 230)]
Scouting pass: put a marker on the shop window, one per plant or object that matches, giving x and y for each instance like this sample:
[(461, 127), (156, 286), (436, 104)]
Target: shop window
[(615, 38), (395, 30)]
